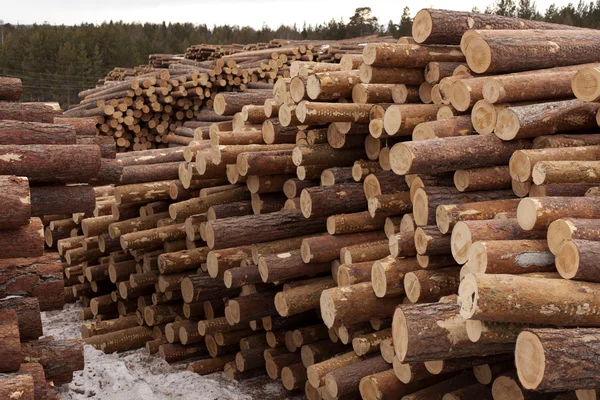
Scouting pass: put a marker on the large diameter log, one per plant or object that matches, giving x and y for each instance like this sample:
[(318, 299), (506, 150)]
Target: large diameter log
[(15, 198), (19, 387), (17, 132), (448, 154), (60, 358), (511, 257), (51, 163), (240, 231), (322, 201), (353, 304), (536, 213), (540, 119), (28, 316), (447, 216), (408, 55), (448, 27), (555, 172), (501, 298), (436, 331), (10, 341), (82, 126), (59, 199), (28, 112), (465, 233), (493, 52), (10, 89), (26, 240), (541, 355), (402, 119)]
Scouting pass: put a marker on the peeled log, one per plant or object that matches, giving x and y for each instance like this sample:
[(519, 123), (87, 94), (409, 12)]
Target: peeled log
[(436, 331), (542, 355), (15, 198), (522, 299), (51, 163), (27, 240)]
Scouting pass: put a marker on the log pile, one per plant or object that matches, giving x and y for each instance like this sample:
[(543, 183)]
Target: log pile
[(391, 229), (45, 168)]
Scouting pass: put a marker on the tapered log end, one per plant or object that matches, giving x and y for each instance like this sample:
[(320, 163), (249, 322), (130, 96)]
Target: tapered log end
[(478, 55), (527, 213), (400, 334), (468, 296), (507, 125), (392, 120), (328, 310), (586, 84), (412, 287), (530, 360), (460, 242), (421, 27), (567, 260), (401, 159), (460, 96)]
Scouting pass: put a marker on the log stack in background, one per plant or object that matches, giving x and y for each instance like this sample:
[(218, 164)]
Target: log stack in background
[(391, 228), (45, 168)]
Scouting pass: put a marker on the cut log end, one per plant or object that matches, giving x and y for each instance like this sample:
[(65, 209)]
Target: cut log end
[(281, 305), (460, 242), (507, 125), (460, 96), (400, 330), (474, 330), (401, 159), (478, 55), (586, 84), (422, 26), (379, 279), (468, 296), (559, 231), (567, 260), (328, 309), (527, 213), (412, 287), (483, 117)]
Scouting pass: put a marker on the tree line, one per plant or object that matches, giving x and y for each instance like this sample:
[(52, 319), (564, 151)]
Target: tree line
[(57, 62)]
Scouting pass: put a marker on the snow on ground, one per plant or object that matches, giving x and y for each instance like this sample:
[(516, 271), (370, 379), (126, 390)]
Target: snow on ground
[(136, 375)]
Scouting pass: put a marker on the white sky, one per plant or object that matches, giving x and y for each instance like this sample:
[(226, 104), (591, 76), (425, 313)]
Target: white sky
[(219, 12)]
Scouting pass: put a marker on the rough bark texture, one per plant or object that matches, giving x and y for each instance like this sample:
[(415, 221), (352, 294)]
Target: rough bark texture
[(123, 340), (51, 163), (436, 331), (491, 178), (288, 265), (302, 298), (576, 260), (343, 381), (18, 132), (16, 201), (537, 213), (447, 216), (60, 358), (428, 286), (322, 201), (409, 55), (82, 126), (28, 112), (9, 341), (327, 248), (59, 199), (19, 387), (28, 316)]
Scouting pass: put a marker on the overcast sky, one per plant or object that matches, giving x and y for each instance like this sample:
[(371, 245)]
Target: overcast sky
[(254, 13)]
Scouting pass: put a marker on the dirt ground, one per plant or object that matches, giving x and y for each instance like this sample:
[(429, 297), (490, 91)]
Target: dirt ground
[(136, 375)]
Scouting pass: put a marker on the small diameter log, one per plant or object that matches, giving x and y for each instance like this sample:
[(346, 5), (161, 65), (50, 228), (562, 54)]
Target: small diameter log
[(40, 277), (251, 307), (121, 340), (355, 222), (541, 354), (327, 200), (427, 286), (211, 365), (316, 373), (465, 233), (491, 178), (461, 364), (10, 90), (364, 93), (507, 386), (369, 343), (455, 126), (487, 373), (161, 314), (539, 119), (10, 341), (24, 241), (408, 373), (177, 352), (15, 196), (355, 303), (327, 248), (557, 172), (202, 287), (436, 331), (247, 360), (537, 213), (476, 391), (60, 358), (343, 381), (152, 238), (276, 364), (402, 119), (288, 265), (485, 297), (294, 377), (302, 298), (273, 226), (391, 75), (28, 316), (18, 387), (447, 216), (383, 385), (51, 163), (567, 229), (387, 275), (430, 241), (511, 257)]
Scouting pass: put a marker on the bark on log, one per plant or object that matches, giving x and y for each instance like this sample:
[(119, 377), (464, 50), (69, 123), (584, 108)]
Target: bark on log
[(19, 387), (10, 89), (22, 133), (536, 213), (288, 265), (491, 178), (28, 316), (511, 257), (409, 55), (82, 126), (485, 297), (10, 341), (428, 286), (450, 127), (28, 112), (387, 275), (343, 381), (327, 248), (402, 119), (51, 163), (50, 200), (60, 358), (16, 200), (303, 298), (320, 201), (447, 216)]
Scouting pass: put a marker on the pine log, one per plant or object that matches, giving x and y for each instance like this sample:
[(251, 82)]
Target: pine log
[(455, 126), (537, 213), (343, 381), (60, 358), (387, 275), (28, 316), (331, 85), (211, 365), (447, 216), (444, 155), (327, 248), (231, 103), (15, 196), (28, 112), (369, 251), (491, 178), (435, 331), (22, 133), (408, 55), (19, 387), (327, 200), (565, 172), (82, 126), (427, 286), (405, 76), (303, 298), (401, 120), (202, 287)]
